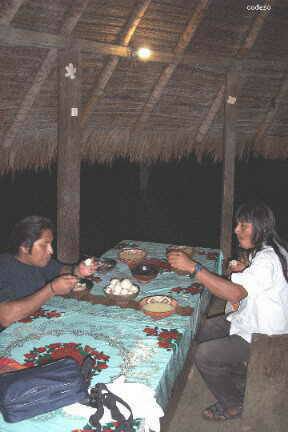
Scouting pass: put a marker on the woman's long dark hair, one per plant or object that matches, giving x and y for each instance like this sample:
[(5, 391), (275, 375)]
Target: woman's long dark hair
[(264, 230)]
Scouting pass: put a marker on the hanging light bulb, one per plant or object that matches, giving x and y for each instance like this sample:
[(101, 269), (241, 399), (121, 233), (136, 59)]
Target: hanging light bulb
[(144, 53)]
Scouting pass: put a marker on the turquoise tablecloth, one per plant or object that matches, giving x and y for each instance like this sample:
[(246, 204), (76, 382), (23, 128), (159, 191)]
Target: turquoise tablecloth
[(124, 341)]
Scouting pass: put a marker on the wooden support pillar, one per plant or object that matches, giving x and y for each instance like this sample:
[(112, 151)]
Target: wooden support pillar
[(232, 84), (69, 157)]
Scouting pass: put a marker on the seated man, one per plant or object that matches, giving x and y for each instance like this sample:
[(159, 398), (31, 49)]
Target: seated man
[(29, 276)]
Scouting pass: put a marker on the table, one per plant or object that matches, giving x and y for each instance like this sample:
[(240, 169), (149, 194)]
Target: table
[(125, 342)]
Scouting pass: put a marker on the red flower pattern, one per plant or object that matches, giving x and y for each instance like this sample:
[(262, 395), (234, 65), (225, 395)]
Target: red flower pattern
[(56, 351), (43, 313), (168, 339), (196, 288), (109, 427)]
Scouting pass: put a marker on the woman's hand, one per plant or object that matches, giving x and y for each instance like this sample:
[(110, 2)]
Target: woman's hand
[(236, 266), (181, 261)]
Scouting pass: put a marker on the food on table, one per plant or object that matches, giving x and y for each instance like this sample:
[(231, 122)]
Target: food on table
[(126, 284), (103, 265), (132, 256), (158, 307), (121, 287), (80, 285)]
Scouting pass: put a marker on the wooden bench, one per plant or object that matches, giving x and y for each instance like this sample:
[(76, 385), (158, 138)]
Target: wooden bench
[(266, 396)]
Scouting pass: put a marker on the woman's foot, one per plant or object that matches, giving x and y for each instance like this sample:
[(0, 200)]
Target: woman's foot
[(216, 412)]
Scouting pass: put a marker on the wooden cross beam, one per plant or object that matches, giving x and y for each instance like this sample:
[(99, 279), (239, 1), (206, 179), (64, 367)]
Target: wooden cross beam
[(10, 36)]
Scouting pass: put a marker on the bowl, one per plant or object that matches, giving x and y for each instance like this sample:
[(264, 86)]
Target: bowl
[(132, 256), (121, 298), (105, 264), (158, 307), (144, 272)]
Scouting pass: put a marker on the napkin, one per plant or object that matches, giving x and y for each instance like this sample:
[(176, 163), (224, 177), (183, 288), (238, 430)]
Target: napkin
[(139, 397)]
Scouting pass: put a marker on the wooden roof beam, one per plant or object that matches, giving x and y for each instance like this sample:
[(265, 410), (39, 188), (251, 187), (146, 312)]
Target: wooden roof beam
[(69, 23), (218, 101), (165, 76), (10, 36), (9, 13), (112, 63), (266, 123)]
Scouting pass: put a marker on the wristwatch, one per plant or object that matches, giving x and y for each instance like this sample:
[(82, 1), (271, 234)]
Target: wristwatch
[(197, 268)]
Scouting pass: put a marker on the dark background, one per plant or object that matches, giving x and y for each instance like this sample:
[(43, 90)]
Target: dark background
[(183, 201)]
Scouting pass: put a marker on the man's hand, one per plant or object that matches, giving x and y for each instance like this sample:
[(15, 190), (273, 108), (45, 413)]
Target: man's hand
[(181, 261), (84, 269), (63, 284)]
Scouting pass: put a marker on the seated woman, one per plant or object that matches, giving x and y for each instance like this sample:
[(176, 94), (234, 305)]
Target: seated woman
[(259, 295)]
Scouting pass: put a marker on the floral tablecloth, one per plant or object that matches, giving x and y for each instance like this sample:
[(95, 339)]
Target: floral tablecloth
[(123, 342)]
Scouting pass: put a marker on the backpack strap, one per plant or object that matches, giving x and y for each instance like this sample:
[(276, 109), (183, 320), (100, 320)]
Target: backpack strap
[(100, 396)]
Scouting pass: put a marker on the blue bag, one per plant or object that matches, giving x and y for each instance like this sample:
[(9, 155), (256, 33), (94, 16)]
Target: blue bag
[(29, 392)]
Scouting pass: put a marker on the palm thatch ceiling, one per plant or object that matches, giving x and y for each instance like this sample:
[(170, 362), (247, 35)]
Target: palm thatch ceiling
[(161, 109)]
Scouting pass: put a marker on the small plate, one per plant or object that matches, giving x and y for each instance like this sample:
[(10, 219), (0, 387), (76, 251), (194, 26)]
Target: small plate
[(104, 265), (83, 284), (144, 272)]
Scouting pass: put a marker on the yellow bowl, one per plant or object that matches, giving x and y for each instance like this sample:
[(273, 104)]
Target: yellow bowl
[(158, 307)]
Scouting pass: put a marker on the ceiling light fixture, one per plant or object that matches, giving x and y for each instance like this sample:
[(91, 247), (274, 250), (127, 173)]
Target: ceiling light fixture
[(144, 53)]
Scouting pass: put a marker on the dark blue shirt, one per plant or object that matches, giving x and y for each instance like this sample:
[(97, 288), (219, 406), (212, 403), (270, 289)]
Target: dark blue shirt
[(18, 280)]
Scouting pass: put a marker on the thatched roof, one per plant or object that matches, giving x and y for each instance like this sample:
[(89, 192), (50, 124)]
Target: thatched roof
[(161, 109)]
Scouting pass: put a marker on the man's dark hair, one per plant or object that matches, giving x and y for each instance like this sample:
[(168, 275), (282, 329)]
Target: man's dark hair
[(264, 230), (27, 231)]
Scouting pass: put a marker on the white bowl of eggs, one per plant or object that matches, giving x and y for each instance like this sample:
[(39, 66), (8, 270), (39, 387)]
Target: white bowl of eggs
[(121, 290)]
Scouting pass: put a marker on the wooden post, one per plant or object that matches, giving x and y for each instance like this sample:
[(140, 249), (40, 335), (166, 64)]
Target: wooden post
[(69, 157), (232, 83)]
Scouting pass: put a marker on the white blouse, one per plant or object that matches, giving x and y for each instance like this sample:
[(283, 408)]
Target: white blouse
[(265, 309)]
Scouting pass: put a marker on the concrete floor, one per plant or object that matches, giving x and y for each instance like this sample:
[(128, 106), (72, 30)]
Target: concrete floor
[(184, 413)]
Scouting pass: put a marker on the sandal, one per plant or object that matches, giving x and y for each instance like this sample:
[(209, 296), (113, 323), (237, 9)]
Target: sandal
[(216, 412)]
